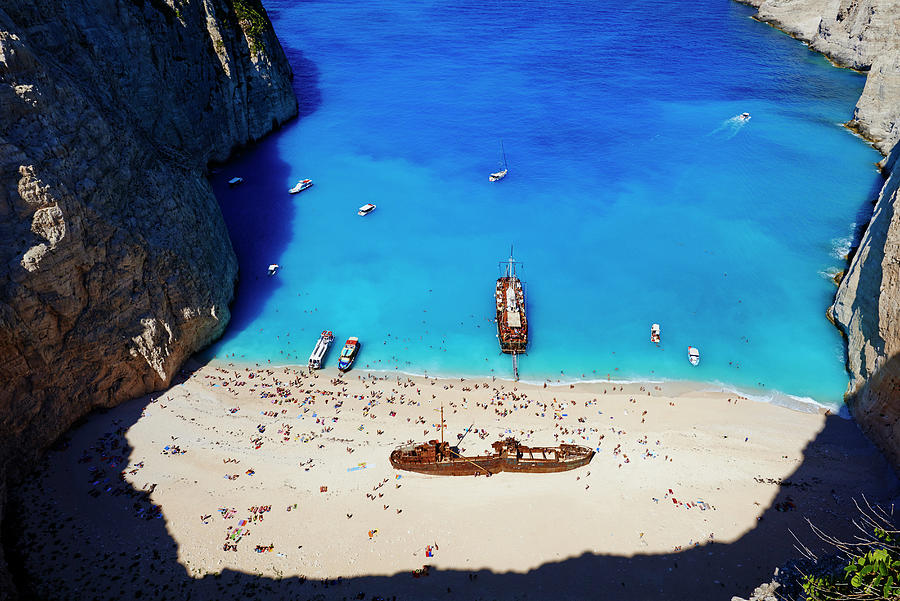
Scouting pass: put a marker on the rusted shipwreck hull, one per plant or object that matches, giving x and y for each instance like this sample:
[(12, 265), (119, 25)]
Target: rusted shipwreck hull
[(440, 459)]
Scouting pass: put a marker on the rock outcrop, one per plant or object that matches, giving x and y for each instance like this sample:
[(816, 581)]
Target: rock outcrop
[(115, 264), (865, 35), (859, 34)]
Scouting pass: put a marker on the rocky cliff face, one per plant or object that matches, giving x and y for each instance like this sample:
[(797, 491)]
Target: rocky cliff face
[(859, 34), (115, 264), (865, 35)]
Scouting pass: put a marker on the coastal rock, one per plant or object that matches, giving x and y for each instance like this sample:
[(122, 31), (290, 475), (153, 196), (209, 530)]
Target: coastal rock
[(867, 308), (859, 34), (865, 35), (115, 264)]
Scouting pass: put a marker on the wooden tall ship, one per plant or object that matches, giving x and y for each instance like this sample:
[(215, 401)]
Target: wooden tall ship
[(512, 324), (438, 458)]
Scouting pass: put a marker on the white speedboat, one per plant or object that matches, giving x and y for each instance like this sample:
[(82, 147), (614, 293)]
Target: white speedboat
[(273, 268), (365, 209), (234, 181), (654, 333), (744, 116), (302, 185), (693, 355)]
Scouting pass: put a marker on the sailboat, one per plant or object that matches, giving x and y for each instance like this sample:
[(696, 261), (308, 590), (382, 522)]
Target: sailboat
[(495, 177)]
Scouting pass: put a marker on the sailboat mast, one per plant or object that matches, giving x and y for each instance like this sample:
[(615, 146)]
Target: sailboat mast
[(503, 153)]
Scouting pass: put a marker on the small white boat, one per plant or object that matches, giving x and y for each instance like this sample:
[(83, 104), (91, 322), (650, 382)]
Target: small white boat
[(744, 116), (273, 268), (365, 209), (654, 333), (234, 181), (318, 354), (693, 355), (302, 185), (497, 176)]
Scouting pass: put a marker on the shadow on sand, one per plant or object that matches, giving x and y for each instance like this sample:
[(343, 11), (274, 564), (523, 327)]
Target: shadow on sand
[(121, 548)]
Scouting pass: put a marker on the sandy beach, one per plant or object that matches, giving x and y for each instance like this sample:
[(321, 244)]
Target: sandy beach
[(238, 471)]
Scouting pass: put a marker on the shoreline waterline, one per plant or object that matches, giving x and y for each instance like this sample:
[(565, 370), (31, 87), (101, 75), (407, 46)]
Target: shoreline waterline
[(770, 397)]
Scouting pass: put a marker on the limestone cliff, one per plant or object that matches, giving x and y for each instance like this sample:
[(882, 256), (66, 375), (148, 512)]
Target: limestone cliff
[(115, 264), (859, 34), (865, 35)]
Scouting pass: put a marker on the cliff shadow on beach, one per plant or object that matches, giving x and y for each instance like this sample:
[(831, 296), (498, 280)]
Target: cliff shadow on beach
[(106, 539)]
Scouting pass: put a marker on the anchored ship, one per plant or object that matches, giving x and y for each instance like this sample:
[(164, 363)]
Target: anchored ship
[(512, 324), (440, 459), (318, 354), (348, 354)]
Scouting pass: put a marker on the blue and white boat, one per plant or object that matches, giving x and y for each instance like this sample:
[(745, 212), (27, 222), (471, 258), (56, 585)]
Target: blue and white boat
[(348, 353), (302, 185)]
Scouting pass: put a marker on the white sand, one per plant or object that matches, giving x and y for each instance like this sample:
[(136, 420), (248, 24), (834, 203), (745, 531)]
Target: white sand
[(715, 452)]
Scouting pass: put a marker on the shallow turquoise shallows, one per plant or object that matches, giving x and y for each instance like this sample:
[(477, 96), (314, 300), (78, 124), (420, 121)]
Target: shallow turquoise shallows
[(635, 195)]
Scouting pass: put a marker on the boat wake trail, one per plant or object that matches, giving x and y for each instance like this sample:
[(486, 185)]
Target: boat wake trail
[(730, 127)]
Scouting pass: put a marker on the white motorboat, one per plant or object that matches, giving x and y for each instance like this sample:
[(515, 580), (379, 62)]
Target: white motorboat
[(693, 355), (744, 116), (318, 354), (365, 209), (654, 333), (273, 268), (302, 185), (234, 181)]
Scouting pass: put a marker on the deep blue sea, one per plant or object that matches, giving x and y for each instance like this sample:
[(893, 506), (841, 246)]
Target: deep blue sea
[(634, 194)]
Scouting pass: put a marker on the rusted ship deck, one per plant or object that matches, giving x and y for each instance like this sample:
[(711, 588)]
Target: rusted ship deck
[(440, 459)]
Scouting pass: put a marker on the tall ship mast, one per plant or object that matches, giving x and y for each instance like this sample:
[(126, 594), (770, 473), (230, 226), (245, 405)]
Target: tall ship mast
[(512, 323)]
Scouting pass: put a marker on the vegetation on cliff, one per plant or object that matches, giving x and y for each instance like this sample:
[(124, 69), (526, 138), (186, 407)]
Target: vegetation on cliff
[(871, 568), (250, 14)]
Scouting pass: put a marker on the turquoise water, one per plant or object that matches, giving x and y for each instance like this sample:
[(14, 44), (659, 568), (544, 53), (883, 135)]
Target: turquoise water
[(634, 195)]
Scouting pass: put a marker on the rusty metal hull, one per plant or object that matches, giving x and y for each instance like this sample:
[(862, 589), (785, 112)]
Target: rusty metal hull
[(575, 457)]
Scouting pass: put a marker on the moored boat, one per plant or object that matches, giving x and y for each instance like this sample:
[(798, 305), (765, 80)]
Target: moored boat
[(654, 333), (512, 323), (440, 459), (234, 181), (365, 209), (348, 353), (273, 268), (497, 176), (302, 185), (694, 355), (318, 355)]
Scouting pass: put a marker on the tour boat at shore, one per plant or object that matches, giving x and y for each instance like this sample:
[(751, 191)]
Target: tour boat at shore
[(302, 185), (694, 355), (438, 458), (348, 353), (365, 209), (318, 355), (512, 324)]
